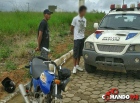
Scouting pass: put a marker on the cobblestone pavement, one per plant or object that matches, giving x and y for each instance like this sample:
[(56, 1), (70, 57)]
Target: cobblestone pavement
[(89, 88)]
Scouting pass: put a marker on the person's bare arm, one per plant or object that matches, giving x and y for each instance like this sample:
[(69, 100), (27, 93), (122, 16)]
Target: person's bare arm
[(72, 29), (39, 39)]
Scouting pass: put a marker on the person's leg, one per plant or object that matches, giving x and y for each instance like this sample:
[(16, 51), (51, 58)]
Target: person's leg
[(80, 54), (75, 54), (75, 62)]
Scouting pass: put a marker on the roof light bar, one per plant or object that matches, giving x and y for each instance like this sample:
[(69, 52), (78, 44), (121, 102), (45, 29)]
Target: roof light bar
[(112, 7), (132, 6), (118, 6), (138, 5), (124, 6)]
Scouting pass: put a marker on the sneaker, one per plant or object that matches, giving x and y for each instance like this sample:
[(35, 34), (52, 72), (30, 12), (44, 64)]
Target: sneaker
[(79, 68), (74, 70)]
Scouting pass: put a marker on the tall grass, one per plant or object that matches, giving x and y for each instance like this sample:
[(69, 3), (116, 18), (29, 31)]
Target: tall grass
[(27, 22)]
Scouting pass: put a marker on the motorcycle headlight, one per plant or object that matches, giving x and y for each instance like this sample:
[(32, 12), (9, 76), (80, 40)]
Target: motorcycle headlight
[(89, 46), (65, 84), (43, 77), (134, 48)]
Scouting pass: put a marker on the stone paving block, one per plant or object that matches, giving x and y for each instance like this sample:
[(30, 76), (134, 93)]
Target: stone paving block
[(69, 95), (130, 90), (122, 84), (81, 90), (108, 82), (130, 80), (83, 101), (66, 100), (100, 82), (122, 90), (137, 89), (79, 82), (76, 98), (107, 85), (78, 94), (85, 84), (93, 83), (130, 86), (122, 87), (93, 96), (89, 89), (100, 100), (136, 85), (130, 83), (96, 92), (83, 87), (87, 93), (84, 97)]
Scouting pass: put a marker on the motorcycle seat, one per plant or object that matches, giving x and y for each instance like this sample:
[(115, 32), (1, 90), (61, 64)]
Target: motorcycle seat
[(37, 67)]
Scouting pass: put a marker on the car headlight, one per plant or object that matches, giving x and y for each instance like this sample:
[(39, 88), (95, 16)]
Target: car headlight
[(89, 45), (134, 48)]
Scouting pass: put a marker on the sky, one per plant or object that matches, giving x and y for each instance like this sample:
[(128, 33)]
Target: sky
[(65, 5)]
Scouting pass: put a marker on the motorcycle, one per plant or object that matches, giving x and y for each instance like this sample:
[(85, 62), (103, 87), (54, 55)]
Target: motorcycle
[(45, 86)]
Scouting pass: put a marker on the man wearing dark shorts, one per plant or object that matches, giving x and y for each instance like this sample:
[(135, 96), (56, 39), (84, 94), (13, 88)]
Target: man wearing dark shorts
[(43, 33), (78, 28)]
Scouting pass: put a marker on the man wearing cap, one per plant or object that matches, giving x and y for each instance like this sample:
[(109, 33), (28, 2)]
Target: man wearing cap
[(43, 33)]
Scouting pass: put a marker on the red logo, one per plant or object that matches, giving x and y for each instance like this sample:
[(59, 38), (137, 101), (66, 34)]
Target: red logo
[(113, 95)]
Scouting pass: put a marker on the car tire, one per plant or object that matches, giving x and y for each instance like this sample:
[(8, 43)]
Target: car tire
[(90, 68)]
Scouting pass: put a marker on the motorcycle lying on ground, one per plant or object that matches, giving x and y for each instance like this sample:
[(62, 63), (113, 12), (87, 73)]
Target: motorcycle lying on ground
[(45, 86)]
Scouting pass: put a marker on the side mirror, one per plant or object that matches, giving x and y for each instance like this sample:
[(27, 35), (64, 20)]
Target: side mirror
[(96, 25)]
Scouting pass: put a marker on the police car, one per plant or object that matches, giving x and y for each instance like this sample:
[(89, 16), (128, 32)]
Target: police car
[(115, 45)]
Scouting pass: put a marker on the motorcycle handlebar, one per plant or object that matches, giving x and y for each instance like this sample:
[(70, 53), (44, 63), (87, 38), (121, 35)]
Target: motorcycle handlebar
[(52, 62)]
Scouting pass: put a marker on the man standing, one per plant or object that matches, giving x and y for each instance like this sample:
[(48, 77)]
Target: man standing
[(43, 33), (78, 28)]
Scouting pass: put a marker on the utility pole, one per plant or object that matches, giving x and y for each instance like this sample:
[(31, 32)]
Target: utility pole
[(123, 2), (81, 2), (28, 6)]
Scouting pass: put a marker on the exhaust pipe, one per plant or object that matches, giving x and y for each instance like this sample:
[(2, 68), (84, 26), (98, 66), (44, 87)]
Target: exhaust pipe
[(24, 94)]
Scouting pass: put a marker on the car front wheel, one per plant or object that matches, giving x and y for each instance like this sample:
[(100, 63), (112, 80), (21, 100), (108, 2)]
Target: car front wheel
[(90, 68)]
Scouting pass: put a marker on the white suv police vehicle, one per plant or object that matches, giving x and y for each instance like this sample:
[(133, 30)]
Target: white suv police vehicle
[(116, 42)]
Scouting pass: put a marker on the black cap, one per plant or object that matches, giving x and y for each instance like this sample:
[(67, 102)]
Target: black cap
[(47, 11)]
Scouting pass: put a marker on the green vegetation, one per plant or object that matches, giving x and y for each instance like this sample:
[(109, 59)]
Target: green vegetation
[(10, 65), (18, 32), (26, 23)]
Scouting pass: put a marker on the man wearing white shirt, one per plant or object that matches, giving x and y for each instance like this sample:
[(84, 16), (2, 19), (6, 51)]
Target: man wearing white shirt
[(78, 29)]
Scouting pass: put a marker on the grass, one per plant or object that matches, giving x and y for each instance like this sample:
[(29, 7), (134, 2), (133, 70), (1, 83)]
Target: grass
[(4, 52), (18, 32), (26, 23), (10, 65)]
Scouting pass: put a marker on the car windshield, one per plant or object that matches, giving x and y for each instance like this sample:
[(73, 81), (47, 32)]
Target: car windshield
[(121, 22)]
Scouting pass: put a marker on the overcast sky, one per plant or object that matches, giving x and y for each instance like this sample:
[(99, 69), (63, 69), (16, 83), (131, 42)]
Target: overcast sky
[(66, 5)]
